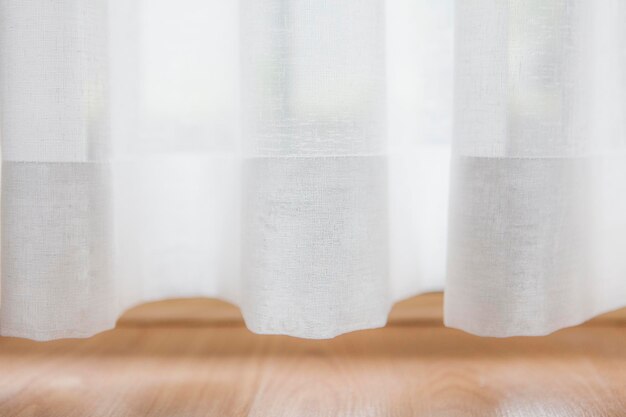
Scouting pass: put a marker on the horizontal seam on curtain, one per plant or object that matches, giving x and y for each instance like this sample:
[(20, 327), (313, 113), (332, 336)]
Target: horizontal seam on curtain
[(542, 157)]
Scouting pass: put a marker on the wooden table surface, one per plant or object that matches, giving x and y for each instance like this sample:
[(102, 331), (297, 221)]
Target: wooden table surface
[(186, 358)]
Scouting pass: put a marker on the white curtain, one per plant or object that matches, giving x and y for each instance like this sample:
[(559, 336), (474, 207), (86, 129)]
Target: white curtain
[(312, 161)]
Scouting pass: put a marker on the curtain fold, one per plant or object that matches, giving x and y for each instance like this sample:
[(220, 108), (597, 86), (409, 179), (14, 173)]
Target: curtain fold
[(538, 230), (312, 161)]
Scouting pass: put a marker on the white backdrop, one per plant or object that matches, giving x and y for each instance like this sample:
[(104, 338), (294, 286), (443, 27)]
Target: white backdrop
[(298, 158)]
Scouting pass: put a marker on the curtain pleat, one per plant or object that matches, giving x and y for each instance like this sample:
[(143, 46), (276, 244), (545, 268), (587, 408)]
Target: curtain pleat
[(538, 193)]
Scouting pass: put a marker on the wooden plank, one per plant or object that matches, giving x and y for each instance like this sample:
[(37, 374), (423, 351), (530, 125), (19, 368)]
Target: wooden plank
[(402, 370)]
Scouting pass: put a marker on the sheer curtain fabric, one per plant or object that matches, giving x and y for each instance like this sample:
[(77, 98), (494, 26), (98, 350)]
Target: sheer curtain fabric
[(312, 161)]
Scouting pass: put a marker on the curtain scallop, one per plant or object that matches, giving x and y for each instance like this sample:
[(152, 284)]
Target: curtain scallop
[(309, 161)]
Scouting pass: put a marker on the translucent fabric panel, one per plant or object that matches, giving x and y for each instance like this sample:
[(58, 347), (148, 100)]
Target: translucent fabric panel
[(263, 152), (56, 209), (295, 157), (539, 170)]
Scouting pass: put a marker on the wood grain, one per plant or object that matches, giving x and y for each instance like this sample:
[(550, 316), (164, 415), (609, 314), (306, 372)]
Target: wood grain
[(195, 358)]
